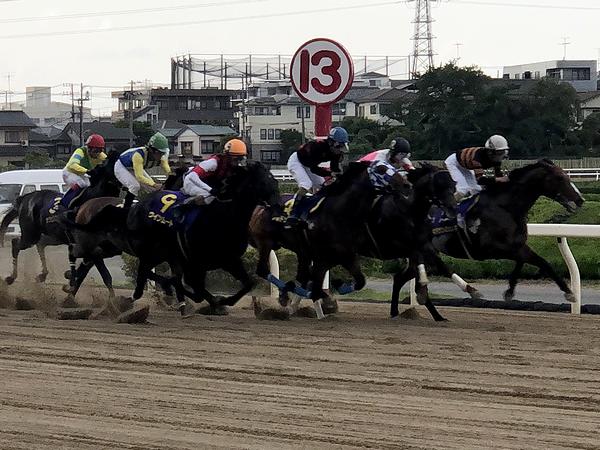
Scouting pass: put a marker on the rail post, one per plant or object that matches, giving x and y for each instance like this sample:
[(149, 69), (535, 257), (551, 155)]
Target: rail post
[(575, 283)]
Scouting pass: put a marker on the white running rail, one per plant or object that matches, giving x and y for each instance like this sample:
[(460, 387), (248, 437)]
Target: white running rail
[(560, 231)]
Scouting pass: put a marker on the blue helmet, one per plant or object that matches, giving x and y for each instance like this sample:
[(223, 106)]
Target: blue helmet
[(339, 135)]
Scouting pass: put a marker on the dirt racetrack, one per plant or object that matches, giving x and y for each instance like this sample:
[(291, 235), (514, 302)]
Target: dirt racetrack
[(484, 380)]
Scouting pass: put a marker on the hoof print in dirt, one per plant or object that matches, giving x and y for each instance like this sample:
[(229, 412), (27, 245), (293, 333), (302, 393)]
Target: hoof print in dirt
[(307, 311), (22, 304), (74, 313), (273, 314), (137, 314), (410, 314)]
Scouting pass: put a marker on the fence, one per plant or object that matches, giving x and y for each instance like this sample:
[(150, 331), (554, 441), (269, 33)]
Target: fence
[(560, 231)]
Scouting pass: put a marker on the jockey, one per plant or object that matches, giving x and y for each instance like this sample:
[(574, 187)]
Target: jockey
[(304, 164), (130, 168), (199, 181), (397, 155), (466, 166), (81, 162)]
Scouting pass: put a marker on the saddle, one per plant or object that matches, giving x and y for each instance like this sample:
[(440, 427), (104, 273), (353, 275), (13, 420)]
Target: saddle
[(308, 205)]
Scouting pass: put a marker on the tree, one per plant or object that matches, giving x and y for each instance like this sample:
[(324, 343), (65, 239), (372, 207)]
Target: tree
[(143, 131), (37, 159)]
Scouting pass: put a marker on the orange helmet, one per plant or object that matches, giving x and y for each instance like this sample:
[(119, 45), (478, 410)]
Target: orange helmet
[(235, 147)]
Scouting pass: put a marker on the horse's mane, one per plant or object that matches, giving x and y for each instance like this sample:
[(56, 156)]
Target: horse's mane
[(519, 173), (343, 181)]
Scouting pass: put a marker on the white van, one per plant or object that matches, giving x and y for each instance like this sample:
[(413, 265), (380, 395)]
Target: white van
[(18, 182)]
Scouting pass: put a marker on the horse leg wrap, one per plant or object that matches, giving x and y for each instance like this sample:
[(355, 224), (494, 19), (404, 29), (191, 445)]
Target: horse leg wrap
[(301, 292), (422, 274), (346, 288), (462, 284), (319, 309), (276, 281)]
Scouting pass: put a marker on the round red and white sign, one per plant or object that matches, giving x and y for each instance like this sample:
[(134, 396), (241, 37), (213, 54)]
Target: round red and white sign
[(321, 71)]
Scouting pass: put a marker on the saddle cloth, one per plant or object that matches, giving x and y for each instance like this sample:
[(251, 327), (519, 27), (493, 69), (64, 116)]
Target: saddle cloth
[(441, 223), (165, 210), (308, 204)]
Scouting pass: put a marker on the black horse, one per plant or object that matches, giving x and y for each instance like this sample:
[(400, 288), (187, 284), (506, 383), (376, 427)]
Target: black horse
[(399, 228), (500, 217), (39, 214), (332, 236), (216, 239)]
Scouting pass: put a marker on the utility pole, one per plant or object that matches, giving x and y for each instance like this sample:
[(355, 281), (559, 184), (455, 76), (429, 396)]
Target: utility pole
[(131, 97), (564, 44), (81, 99), (458, 46)]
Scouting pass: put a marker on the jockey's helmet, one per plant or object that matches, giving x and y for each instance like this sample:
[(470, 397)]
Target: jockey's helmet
[(399, 147), (497, 143), (95, 141), (339, 135), (159, 142), (235, 147)]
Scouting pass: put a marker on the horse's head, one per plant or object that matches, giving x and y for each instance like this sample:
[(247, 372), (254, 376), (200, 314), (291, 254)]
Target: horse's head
[(102, 178), (551, 181), (252, 182), (434, 185), (174, 181)]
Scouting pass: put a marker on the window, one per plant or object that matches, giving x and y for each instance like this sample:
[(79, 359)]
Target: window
[(261, 111), (373, 109), (537, 75), (276, 110), (374, 83), (271, 91), (576, 74), (12, 137), (263, 134), (162, 104), (28, 188), (306, 112), (277, 133), (270, 156), (182, 105), (339, 109), (50, 187), (35, 120), (208, 147), (271, 134), (187, 148), (553, 73), (517, 76)]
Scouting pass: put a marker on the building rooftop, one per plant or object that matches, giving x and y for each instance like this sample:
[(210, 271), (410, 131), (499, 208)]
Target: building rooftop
[(15, 119)]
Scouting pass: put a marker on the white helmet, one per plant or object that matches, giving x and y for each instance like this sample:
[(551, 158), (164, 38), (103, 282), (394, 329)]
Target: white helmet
[(497, 142)]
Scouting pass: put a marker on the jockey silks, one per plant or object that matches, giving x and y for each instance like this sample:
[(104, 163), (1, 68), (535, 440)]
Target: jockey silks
[(314, 153)]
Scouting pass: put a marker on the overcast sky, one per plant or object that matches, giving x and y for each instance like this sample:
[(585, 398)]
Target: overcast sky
[(492, 34)]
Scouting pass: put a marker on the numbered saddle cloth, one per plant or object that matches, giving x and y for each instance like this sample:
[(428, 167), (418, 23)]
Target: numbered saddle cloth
[(308, 204), (441, 223), (166, 210), (51, 208)]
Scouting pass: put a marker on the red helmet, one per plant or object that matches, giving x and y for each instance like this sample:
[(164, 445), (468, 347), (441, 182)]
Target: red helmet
[(95, 141)]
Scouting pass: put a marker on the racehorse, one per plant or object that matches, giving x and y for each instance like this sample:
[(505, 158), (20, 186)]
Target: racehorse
[(500, 216), (39, 216), (399, 228), (332, 235), (216, 238)]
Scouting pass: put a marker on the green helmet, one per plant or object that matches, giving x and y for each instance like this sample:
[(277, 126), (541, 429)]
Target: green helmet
[(159, 142)]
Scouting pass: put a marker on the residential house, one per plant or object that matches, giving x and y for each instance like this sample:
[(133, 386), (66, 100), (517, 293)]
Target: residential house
[(374, 105), (14, 137), (581, 74), (589, 103), (195, 106), (52, 140), (45, 113), (115, 138), (139, 100), (197, 141)]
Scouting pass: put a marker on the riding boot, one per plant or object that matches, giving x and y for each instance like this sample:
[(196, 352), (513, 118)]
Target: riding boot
[(294, 218), (129, 198)]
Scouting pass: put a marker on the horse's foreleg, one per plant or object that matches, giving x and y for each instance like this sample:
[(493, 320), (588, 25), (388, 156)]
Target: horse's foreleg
[(513, 279), (400, 279), (80, 275), (317, 293), (42, 252), (418, 269), (141, 279), (528, 256), (237, 269)]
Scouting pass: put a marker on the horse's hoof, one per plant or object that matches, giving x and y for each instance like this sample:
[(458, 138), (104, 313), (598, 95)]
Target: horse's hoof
[(475, 294), (330, 306), (9, 280), (41, 277), (570, 297), (67, 275), (284, 298), (67, 289), (508, 296), (69, 302)]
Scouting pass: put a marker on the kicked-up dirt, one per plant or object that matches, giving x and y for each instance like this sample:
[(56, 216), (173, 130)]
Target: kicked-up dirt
[(483, 380)]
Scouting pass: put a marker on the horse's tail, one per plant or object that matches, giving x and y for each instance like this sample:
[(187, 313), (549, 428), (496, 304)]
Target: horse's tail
[(11, 215)]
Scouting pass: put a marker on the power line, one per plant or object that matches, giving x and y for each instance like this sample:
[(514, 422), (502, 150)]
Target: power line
[(527, 5), (197, 22), (126, 11)]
